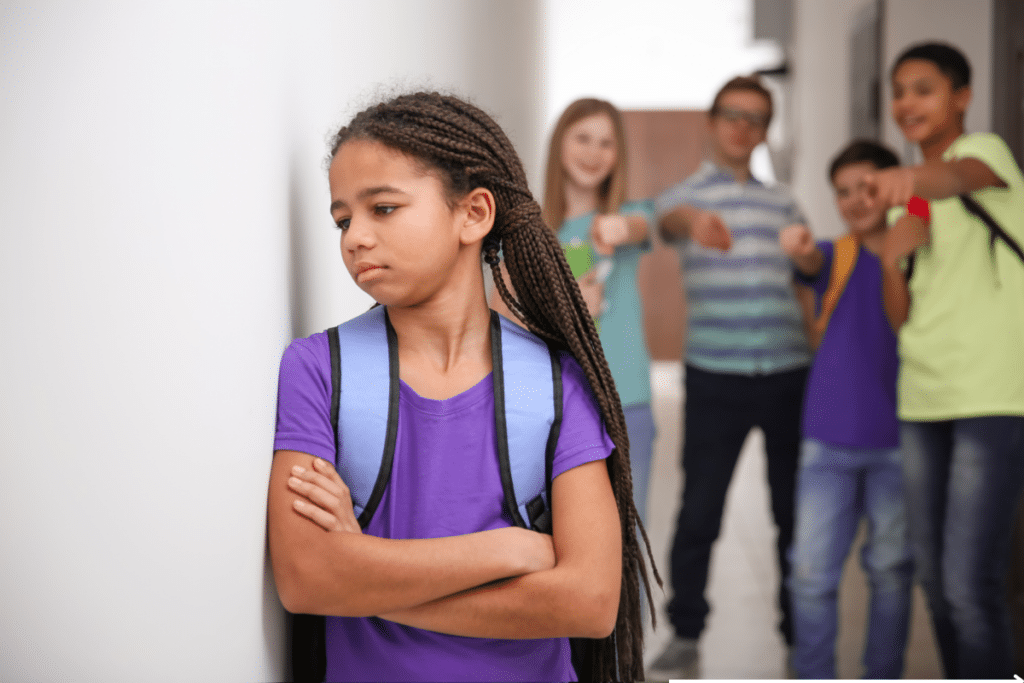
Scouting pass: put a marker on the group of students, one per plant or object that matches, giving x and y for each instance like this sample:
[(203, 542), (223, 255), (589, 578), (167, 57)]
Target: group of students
[(463, 498), (913, 410)]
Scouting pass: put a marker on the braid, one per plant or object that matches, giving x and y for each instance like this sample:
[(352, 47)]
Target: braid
[(472, 151)]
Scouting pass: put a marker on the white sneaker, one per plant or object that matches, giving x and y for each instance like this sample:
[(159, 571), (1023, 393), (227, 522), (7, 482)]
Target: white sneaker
[(679, 659)]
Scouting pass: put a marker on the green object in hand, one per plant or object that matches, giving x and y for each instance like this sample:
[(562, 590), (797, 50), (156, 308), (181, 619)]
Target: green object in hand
[(579, 255)]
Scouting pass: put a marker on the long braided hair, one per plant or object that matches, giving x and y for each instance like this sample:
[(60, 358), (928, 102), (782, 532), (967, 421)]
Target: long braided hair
[(470, 150)]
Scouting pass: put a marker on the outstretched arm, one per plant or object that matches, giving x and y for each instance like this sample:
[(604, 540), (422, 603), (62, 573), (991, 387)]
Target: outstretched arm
[(578, 597), (798, 244), (608, 231), (346, 573), (932, 180), (703, 227)]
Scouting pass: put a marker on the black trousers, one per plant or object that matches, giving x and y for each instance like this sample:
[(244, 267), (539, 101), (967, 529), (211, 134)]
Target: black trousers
[(720, 411)]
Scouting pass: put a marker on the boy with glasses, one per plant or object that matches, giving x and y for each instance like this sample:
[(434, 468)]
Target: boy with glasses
[(747, 353)]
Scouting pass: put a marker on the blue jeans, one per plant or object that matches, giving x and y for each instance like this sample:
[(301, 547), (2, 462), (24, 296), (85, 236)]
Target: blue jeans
[(641, 430), (836, 487), (963, 479)]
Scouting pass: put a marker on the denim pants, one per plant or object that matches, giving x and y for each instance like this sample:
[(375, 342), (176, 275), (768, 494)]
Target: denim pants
[(836, 487), (641, 430), (720, 411), (963, 480)]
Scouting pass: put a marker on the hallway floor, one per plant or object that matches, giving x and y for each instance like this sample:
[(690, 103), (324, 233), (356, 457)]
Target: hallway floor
[(741, 640)]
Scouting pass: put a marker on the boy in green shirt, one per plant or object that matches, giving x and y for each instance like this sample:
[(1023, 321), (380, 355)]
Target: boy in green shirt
[(960, 320)]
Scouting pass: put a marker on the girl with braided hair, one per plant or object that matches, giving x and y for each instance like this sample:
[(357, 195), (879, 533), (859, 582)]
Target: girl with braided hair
[(438, 585)]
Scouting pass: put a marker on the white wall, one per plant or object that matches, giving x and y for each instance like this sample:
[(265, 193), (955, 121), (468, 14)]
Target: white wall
[(164, 232), (821, 64), (821, 104), (646, 54), (967, 24)]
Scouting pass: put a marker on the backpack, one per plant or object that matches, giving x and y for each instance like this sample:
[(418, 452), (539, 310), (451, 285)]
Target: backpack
[(527, 378)]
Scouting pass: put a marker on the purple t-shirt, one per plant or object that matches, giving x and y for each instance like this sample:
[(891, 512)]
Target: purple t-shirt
[(851, 391), (444, 482)]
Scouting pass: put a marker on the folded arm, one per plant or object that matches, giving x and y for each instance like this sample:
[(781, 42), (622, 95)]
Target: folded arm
[(578, 597), (347, 573)]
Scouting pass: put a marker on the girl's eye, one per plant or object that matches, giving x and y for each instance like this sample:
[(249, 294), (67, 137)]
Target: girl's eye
[(383, 210), (342, 224)]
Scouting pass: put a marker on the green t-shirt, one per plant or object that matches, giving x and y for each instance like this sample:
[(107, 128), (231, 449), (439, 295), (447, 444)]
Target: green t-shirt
[(962, 348), (622, 328)]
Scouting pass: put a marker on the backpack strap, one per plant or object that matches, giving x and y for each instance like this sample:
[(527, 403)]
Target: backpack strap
[(844, 259), (527, 418), (364, 372), (995, 231), (527, 378)]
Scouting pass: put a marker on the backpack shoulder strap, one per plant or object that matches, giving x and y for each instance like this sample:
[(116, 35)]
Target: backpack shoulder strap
[(994, 229), (844, 259), (527, 416), (364, 372)]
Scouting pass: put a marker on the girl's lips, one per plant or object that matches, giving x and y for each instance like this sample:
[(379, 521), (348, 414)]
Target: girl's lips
[(366, 273)]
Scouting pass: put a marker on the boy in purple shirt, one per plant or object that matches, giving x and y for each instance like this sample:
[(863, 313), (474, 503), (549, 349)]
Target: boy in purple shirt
[(849, 462)]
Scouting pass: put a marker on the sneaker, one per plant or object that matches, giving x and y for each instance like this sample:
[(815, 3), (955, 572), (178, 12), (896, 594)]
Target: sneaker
[(677, 660)]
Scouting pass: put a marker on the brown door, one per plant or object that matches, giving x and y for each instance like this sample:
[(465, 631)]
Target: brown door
[(664, 148)]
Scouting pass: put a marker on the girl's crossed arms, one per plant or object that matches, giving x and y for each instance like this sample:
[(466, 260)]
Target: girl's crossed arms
[(501, 583)]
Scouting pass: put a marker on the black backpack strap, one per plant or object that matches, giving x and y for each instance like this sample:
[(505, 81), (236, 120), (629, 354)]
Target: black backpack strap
[(500, 425), (333, 346), (526, 507), (542, 520), (994, 229)]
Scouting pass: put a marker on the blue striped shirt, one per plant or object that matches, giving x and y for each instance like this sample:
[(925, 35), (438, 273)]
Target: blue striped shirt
[(743, 314)]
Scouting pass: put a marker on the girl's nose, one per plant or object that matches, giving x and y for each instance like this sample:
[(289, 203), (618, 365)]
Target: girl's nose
[(358, 235)]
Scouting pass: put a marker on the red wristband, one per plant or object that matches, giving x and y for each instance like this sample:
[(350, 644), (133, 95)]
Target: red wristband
[(919, 207)]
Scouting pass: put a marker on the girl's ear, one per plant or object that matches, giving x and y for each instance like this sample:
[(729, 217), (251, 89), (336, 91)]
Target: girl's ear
[(480, 211)]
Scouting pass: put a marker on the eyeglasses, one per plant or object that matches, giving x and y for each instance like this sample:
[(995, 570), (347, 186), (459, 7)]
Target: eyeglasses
[(756, 119)]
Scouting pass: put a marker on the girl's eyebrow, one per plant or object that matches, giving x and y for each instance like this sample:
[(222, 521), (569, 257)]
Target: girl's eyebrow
[(368, 192)]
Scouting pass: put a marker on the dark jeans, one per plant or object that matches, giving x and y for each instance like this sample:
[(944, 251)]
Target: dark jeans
[(720, 411), (963, 478)]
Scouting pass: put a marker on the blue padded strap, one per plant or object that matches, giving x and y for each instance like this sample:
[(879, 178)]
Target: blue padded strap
[(524, 387), (367, 350)]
